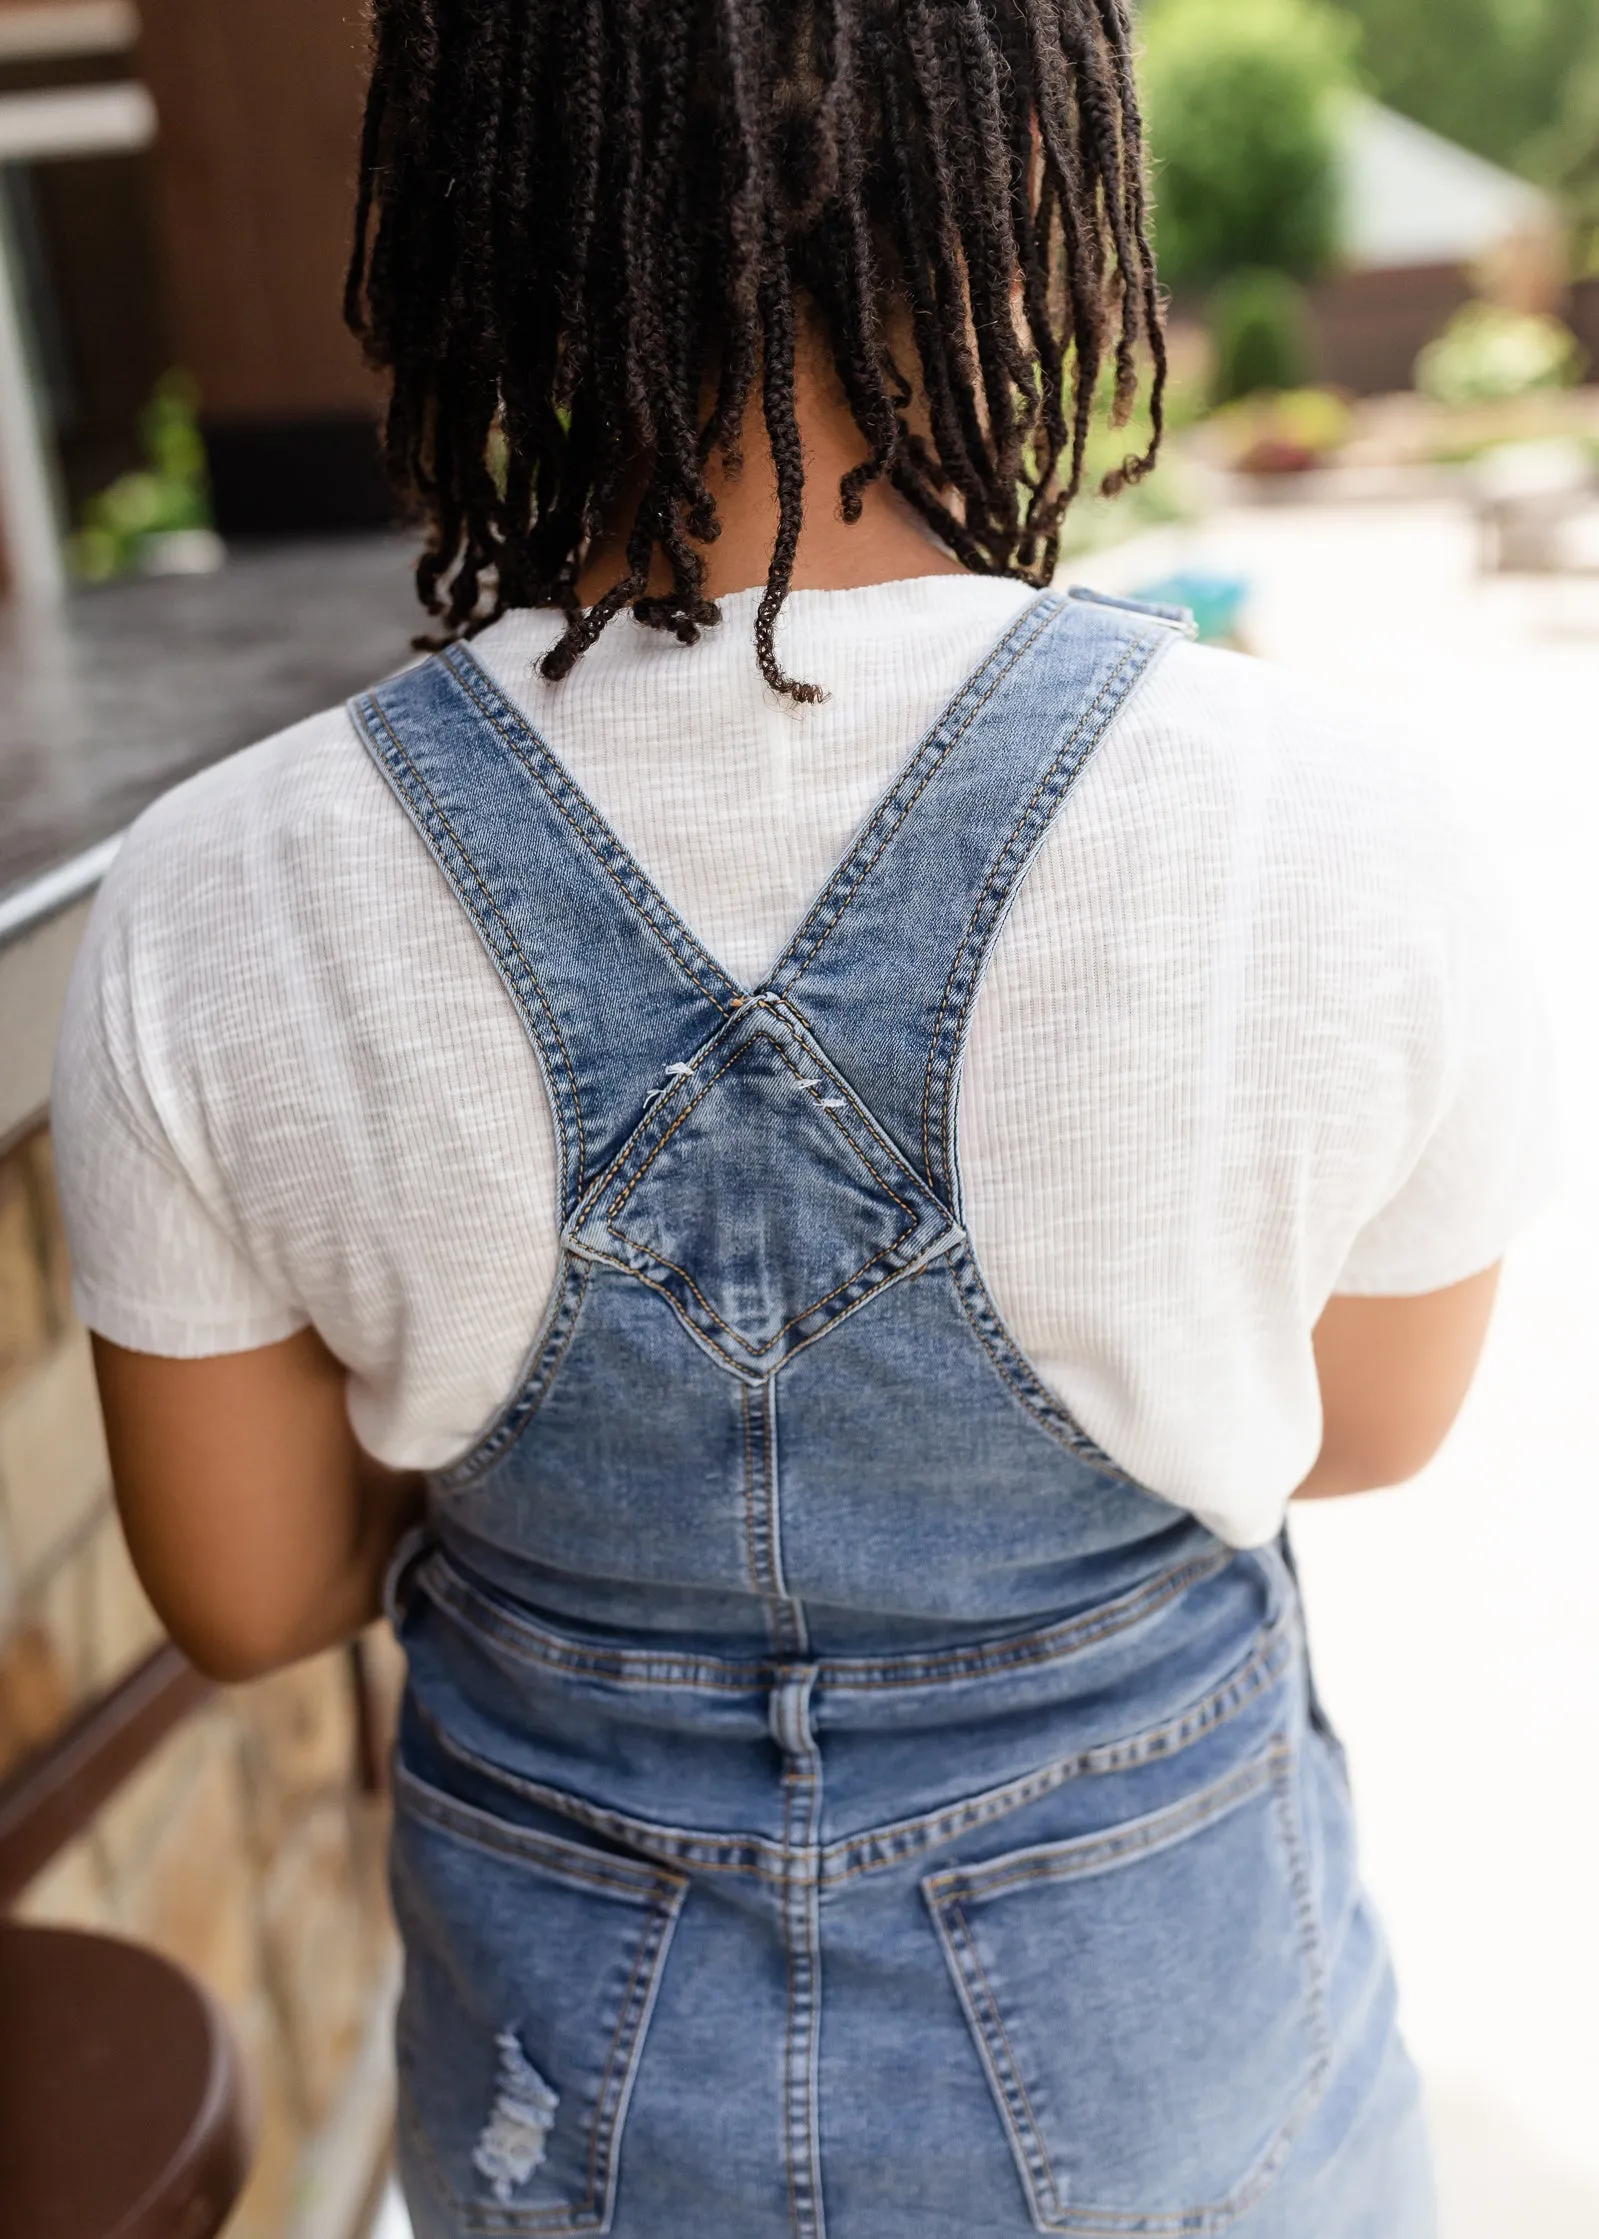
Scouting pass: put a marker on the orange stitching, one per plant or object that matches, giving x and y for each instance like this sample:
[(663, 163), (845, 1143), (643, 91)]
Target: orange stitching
[(887, 807), (794, 1320), (648, 898), (1066, 1861), (674, 1847), (912, 1219), (517, 1843), (898, 1841), (813, 1954), (995, 873), (1030, 1649), (597, 1189), (522, 1406), (796, 1777), (970, 1947), (1270, 1771), (771, 1515), (855, 1675), (505, 926), (659, 1921), (750, 1563), (1068, 1432), (1157, 1745), (743, 1050), (651, 1945), (788, 2067), (788, 2020), (702, 1336)]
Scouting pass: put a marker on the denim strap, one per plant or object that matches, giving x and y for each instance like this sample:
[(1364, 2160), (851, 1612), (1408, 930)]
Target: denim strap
[(614, 990), (885, 969), (611, 985)]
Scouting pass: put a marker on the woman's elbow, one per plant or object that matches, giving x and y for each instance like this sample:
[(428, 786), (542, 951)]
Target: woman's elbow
[(232, 1651), (1374, 1466), (1394, 1374)]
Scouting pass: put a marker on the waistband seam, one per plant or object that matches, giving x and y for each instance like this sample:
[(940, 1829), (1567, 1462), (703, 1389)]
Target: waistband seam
[(875, 1850), (539, 1645)]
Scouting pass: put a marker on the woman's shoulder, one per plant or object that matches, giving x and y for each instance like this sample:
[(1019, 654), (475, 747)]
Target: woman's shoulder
[(293, 799), (277, 848), (1223, 749), (1215, 699), (257, 898)]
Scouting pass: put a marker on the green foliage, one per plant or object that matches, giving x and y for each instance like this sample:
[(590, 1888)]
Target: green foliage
[(1568, 156), (1258, 331), (1486, 354), (1160, 500), (1243, 100), (171, 493), (1496, 75), (1283, 434)]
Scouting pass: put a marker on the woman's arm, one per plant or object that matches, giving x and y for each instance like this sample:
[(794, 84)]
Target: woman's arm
[(260, 1529), (1394, 1376)]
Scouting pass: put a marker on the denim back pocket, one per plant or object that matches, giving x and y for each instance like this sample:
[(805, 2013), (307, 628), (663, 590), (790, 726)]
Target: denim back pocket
[(532, 1966), (1148, 2004)]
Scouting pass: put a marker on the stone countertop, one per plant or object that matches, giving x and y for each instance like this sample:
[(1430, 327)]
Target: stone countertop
[(125, 690), (107, 702)]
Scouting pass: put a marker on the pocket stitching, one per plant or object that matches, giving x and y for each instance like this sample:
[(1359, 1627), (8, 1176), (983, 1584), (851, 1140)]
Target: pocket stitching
[(884, 1848), (947, 1896), (620, 2070), (1022, 2125), (596, 2211), (1096, 1854), (659, 1897), (624, 1878)]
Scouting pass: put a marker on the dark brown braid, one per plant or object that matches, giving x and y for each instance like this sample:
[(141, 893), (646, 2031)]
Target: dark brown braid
[(580, 219)]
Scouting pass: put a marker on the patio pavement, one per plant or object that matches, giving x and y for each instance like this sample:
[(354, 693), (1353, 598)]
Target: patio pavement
[(1455, 1621)]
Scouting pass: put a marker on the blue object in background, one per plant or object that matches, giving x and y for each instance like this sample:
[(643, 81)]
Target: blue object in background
[(1216, 602)]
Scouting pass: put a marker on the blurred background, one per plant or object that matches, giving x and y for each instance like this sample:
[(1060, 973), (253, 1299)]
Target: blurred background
[(1379, 223)]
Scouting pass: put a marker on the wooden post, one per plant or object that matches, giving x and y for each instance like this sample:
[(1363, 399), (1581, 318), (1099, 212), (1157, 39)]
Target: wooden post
[(255, 158)]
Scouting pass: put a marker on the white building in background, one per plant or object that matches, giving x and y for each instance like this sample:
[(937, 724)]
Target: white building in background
[(1426, 226), (1413, 198)]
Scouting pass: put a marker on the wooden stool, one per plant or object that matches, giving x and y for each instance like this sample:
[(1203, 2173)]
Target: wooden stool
[(122, 2109)]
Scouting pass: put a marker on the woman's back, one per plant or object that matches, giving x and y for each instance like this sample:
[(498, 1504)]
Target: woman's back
[(1250, 1036), (846, 1787)]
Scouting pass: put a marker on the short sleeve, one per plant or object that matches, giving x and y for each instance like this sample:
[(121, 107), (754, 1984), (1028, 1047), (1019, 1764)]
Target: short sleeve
[(156, 1264), (1491, 1160)]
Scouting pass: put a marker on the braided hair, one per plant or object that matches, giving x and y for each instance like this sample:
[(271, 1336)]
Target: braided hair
[(589, 231)]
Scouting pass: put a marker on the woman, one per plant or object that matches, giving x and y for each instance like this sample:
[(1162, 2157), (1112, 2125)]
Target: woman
[(859, 1774)]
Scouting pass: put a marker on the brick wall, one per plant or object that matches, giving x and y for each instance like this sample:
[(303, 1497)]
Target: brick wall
[(1367, 329), (242, 1848)]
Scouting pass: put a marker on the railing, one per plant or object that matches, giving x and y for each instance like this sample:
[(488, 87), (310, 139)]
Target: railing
[(53, 1796), (102, 2040)]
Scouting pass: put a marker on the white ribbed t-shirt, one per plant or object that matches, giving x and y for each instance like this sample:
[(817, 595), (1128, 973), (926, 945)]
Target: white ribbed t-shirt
[(1252, 1034)]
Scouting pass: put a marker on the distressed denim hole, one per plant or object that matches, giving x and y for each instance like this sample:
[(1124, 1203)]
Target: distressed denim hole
[(515, 2136)]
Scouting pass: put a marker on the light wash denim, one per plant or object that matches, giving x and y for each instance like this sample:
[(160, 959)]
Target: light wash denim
[(832, 1802)]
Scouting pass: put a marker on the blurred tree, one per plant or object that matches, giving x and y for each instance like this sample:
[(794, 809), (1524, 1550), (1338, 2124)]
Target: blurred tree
[(1243, 110), (1571, 160), (1258, 332), (1496, 75)]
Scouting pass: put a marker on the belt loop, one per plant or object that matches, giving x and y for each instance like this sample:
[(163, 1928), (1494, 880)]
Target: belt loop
[(398, 1578), (789, 1711), (1317, 1708)]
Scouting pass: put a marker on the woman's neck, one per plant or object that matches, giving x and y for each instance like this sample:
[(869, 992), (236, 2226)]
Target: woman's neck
[(888, 543)]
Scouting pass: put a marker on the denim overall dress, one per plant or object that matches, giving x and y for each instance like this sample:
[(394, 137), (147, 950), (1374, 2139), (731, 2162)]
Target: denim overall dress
[(832, 1802)]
